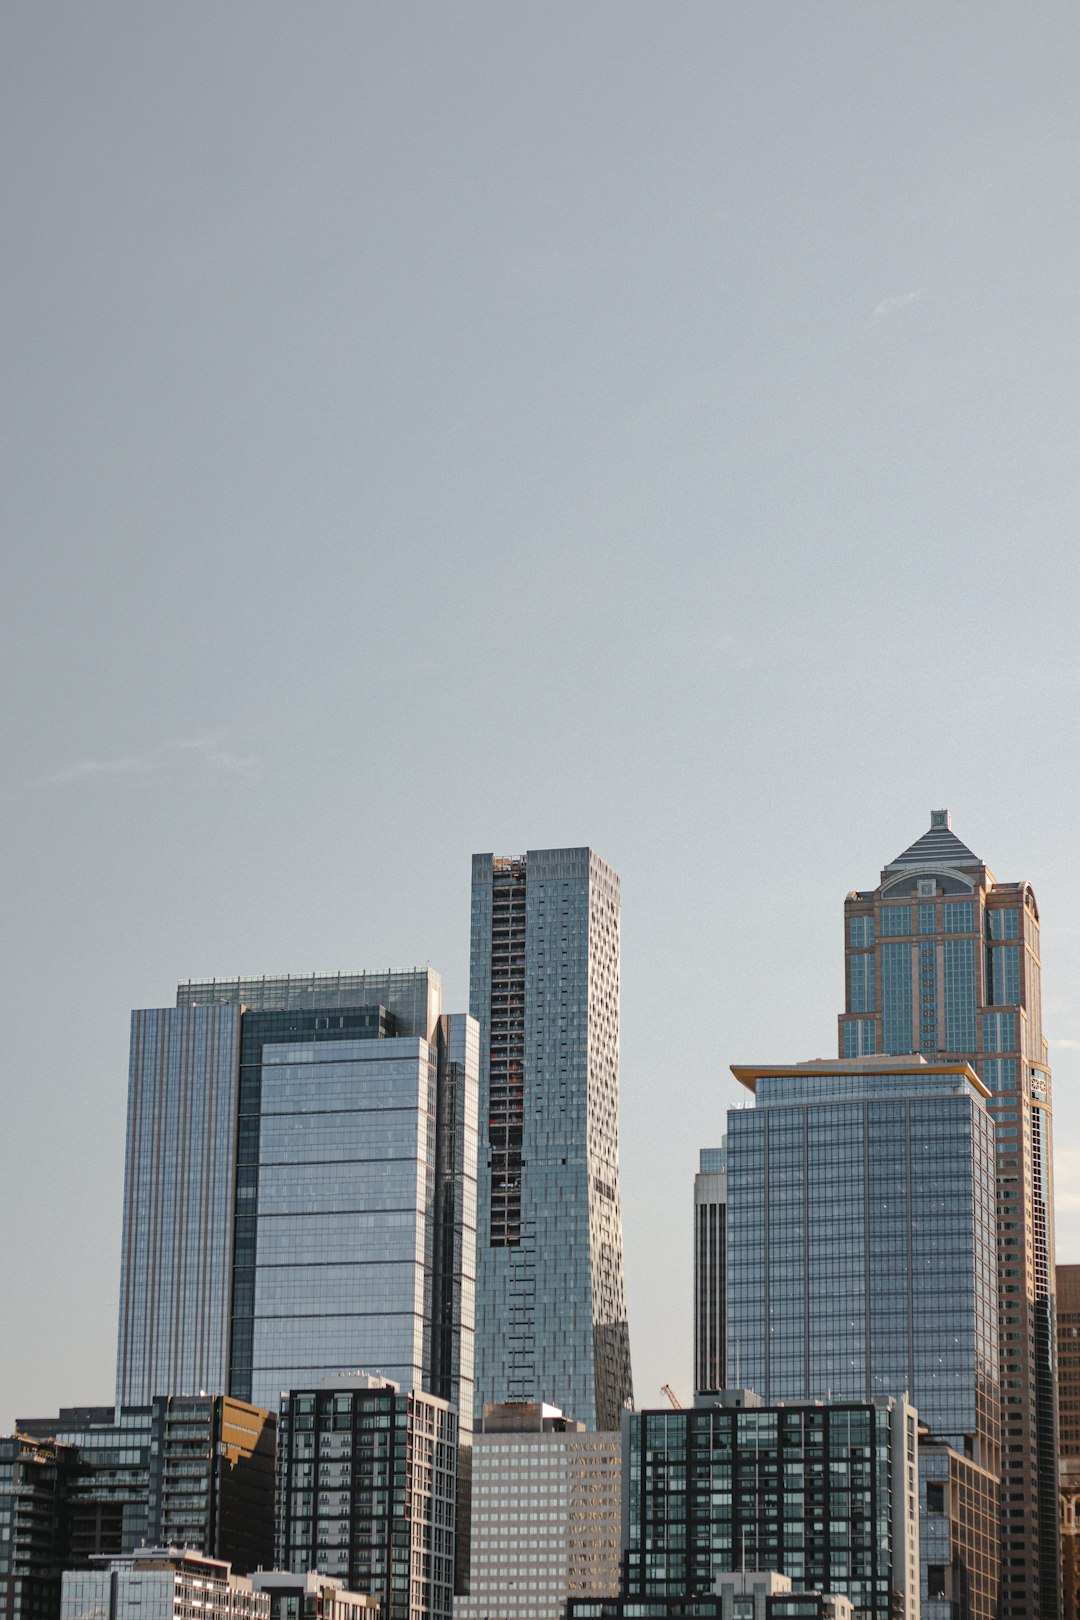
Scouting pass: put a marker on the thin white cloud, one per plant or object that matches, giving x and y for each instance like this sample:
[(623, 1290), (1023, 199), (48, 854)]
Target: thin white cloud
[(213, 750), (210, 753), (80, 768), (889, 306)]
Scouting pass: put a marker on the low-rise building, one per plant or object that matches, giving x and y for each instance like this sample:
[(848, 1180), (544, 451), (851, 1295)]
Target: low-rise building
[(312, 1597), (742, 1595), (161, 1583)]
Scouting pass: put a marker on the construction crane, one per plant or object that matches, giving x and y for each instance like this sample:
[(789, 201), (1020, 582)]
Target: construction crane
[(666, 1389)]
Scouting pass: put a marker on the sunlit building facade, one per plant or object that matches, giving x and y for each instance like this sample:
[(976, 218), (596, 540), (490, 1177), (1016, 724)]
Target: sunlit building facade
[(546, 1514)]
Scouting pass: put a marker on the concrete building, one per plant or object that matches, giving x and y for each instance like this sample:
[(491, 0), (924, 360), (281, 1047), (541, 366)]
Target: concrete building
[(545, 1514), (312, 1597), (189, 1471), (943, 959), (299, 1188), (825, 1494), (544, 987), (861, 1253), (161, 1583), (710, 1272), (766, 1595), (367, 1492)]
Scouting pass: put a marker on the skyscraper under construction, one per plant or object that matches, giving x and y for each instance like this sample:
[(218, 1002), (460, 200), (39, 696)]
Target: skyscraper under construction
[(544, 988)]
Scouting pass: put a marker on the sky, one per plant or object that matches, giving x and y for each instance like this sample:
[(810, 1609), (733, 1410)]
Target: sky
[(432, 428)]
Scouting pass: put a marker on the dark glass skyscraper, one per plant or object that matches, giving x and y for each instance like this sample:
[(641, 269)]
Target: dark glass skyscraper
[(943, 959), (544, 987), (710, 1272), (300, 1189)]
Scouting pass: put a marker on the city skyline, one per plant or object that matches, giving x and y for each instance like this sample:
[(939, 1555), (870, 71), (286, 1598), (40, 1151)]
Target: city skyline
[(679, 1348), (705, 375)]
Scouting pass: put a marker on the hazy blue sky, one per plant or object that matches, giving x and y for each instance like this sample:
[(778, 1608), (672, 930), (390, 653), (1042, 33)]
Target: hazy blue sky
[(437, 428)]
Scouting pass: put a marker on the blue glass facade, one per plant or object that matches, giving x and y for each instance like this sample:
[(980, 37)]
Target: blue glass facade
[(178, 1202), (544, 988), (861, 1244), (301, 1189), (896, 998), (344, 1235)]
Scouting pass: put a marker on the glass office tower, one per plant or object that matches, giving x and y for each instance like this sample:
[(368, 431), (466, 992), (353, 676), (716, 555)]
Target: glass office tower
[(943, 959), (300, 1188), (861, 1265), (175, 1265), (544, 988)]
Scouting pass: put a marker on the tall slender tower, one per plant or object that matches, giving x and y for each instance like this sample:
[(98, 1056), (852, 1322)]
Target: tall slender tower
[(710, 1272), (943, 959), (544, 987)]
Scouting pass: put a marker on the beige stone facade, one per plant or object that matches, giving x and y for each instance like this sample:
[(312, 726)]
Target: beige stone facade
[(545, 1515)]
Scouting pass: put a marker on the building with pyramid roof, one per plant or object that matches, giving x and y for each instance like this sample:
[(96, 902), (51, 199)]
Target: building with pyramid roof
[(944, 960)]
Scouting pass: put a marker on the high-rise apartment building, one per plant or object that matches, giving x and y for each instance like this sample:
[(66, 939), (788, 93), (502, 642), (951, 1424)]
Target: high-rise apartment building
[(546, 1514), (710, 1272), (943, 959), (366, 1492), (32, 1541), (861, 1256), (299, 1192), (822, 1493), (544, 988), (187, 1471)]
